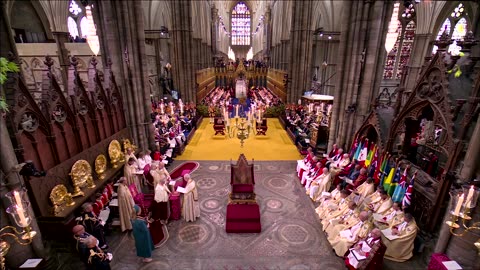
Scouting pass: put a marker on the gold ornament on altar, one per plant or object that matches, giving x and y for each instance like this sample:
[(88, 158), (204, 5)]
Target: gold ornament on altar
[(101, 166), (60, 196), (115, 153), (81, 176), (127, 144)]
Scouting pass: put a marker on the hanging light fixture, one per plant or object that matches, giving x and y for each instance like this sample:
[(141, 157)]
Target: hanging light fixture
[(92, 38), (392, 33)]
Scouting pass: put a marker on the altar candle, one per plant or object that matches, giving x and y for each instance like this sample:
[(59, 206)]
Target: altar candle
[(236, 110), (181, 108), (469, 197), (21, 215), (18, 200), (162, 108), (459, 205)]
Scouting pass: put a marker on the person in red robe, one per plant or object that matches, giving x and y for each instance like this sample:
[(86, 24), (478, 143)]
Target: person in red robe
[(367, 253)]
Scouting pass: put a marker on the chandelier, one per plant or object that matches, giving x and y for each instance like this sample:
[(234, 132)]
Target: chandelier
[(240, 127)]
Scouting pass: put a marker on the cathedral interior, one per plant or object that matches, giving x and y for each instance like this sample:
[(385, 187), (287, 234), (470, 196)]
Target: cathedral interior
[(395, 85)]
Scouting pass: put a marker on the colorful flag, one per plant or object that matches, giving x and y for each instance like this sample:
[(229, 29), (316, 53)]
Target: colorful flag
[(357, 151), (373, 166), (353, 148), (401, 188), (388, 179), (378, 171), (394, 182), (407, 199), (385, 169), (368, 161)]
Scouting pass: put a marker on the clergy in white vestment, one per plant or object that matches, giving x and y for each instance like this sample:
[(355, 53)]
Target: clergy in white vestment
[(362, 191), (191, 206), (307, 178), (393, 217)]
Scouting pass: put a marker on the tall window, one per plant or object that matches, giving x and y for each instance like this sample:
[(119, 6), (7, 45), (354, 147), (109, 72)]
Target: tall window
[(75, 20), (456, 26), (240, 24), (399, 56)]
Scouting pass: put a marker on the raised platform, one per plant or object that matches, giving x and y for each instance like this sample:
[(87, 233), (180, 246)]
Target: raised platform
[(243, 218)]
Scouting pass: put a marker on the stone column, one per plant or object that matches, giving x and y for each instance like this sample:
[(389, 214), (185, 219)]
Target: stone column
[(267, 26), (61, 38), (214, 29), (182, 57), (300, 50), (123, 34), (472, 157), (8, 159), (419, 50), (359, 65)]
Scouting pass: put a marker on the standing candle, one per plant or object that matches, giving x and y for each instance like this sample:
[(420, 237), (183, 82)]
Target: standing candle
[(18, 200), (21, 216), (469, 197), (236, 110), (459, 205)]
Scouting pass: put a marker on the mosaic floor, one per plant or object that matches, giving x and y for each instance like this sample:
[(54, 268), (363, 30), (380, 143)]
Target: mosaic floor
[(290, 239)]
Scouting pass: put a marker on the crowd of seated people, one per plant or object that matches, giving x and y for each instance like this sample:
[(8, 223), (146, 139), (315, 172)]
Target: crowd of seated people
[(361, 221), (172, 122), (222, 102)]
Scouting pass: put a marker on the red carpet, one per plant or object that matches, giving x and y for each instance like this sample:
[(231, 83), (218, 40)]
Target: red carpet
[(186, 167), (243, 218)]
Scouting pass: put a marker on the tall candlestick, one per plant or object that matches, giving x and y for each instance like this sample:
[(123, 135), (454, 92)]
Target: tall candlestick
[(459, 205), (469, 197)]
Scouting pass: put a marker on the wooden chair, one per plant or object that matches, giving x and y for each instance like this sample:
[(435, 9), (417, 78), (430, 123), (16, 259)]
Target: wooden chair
[(262, 127), (242, 181), (219, 126)]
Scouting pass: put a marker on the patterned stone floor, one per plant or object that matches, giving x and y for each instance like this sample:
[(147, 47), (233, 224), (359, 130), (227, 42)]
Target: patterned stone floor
[(291, 237)]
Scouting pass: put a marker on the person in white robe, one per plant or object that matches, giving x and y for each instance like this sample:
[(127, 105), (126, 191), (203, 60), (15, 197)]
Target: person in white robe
[(191, 206), (383, 205)]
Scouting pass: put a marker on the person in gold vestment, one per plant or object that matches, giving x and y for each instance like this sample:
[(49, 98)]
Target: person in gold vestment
[(125, 204), (361, 192), (344, 239), (330, 208), (383, 205), (401, 248), (342, 221), (131, 172), (393, 217), (319, 184)]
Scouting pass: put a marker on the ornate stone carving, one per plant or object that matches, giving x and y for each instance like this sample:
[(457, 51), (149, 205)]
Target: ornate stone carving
[(28, 122), (59, 114)]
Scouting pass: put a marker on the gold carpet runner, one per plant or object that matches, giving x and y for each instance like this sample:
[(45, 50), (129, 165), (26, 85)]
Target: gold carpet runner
[(206, 146)]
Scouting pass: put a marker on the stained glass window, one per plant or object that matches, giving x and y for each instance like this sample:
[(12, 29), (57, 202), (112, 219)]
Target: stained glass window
[(389, 69), (74, 8), (84, 27), (407, 44), (459, 32), (446, 26), (240, 24), (459, 24), (72, 27)]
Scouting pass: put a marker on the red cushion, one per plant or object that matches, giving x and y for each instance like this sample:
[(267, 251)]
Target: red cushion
[(242, 188), (243, 212)]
